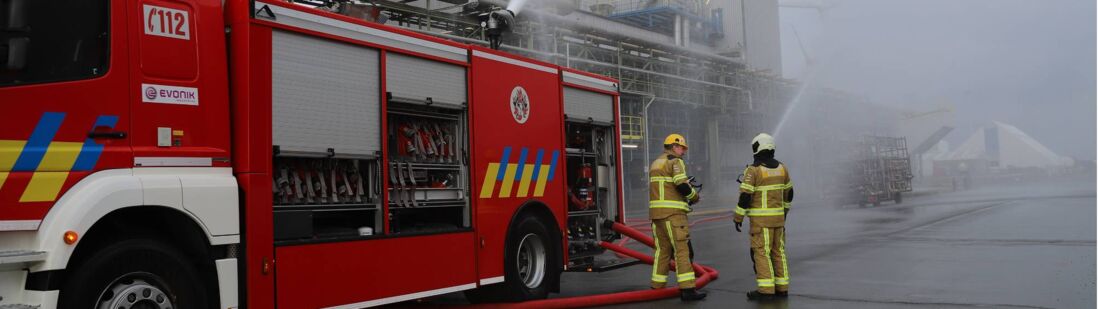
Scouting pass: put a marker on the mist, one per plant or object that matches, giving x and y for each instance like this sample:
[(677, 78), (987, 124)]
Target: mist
[(927, 142), (1027, 63), (923, 138), (844, 69)]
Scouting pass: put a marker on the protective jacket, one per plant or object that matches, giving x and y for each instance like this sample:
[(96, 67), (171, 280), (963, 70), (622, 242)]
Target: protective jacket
[(668, 186), (770, 189)]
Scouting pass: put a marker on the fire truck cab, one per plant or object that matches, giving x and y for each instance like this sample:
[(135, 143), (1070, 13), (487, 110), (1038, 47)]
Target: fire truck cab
[(206, 153)]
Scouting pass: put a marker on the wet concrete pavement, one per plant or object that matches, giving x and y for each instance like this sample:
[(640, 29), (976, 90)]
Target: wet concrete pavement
[(1011, 246)]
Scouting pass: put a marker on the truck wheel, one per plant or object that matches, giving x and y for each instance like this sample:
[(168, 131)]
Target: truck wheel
[(528, 264), (899, 198), (135, 273)]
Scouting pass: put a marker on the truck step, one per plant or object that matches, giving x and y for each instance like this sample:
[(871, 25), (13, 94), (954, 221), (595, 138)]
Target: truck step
[(21, 256)]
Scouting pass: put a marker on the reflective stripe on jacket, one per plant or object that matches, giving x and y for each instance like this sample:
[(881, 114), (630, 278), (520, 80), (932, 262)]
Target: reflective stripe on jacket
[(768, 188), (665, 173)]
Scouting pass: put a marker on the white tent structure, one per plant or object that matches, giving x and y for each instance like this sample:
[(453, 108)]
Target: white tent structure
[(1005, 146)]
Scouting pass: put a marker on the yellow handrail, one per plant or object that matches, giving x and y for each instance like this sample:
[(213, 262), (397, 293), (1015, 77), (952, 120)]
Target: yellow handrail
[(632, 128)]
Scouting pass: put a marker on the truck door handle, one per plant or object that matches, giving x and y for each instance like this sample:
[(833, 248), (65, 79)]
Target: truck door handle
[(107, 134)]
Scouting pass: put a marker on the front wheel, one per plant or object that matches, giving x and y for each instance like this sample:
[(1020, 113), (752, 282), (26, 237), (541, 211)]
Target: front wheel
[(135, 273)]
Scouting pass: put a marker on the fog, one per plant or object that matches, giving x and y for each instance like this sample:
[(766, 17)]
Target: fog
[(1023, 62), (898, 68), (1008, 85)]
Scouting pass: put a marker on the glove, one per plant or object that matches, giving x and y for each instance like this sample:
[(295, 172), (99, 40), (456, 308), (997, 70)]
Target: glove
[(738, 225)]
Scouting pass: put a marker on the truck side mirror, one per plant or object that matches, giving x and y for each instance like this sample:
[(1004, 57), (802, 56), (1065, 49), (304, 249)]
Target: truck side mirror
[(14, 53)]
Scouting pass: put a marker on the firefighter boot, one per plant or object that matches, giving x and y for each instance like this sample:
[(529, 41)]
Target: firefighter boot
[(756, 295), (781, 294), (691, 295)]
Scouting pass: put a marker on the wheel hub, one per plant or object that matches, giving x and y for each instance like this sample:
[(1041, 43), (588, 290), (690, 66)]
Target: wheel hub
[(531, 260), (132, 292)]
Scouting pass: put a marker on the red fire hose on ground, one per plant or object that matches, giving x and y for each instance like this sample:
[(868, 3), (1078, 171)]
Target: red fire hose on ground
[(645, 226), (708, 274)]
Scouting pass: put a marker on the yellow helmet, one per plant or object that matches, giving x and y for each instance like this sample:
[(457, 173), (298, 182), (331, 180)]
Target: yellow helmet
[(675, 139), (762, 142)]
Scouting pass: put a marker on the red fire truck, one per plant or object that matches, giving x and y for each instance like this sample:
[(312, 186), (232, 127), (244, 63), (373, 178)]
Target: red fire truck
[(262, 154)]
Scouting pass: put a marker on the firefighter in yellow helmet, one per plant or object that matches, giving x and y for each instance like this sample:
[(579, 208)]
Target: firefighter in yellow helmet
[(669, 198), (765, 195)]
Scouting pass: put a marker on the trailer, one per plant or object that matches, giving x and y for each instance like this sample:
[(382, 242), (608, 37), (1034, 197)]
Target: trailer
[(882, 170), (207, 153)]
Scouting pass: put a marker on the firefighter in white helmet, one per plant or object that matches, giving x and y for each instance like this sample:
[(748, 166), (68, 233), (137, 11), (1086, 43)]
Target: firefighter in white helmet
[(765, 195), (669, 198)]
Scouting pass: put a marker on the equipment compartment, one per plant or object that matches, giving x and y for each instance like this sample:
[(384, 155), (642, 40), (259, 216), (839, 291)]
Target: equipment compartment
[(427, 168), (326, 108), (592, 197), (325, 198), (324, 182)]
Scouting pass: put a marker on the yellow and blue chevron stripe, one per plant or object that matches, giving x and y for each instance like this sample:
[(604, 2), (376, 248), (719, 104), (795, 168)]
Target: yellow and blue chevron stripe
[(506, 174), (50, 161)]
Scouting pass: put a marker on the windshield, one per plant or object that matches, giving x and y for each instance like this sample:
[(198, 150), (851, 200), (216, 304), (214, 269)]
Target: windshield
[(48, 41)]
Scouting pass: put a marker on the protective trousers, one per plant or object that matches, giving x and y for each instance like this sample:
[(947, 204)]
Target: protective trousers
[(768, 254), (672, 236)]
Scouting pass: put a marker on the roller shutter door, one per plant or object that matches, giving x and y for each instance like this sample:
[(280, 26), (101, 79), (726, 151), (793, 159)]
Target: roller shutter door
[(326, 95), (417, 79), (583, 104)]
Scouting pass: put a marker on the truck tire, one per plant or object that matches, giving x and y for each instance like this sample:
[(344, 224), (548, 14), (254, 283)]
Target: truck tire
[(135, 273), (899, 198), (528, 265)]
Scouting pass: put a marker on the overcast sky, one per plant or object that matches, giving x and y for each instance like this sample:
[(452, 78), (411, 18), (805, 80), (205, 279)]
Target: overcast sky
[(1030, 63)]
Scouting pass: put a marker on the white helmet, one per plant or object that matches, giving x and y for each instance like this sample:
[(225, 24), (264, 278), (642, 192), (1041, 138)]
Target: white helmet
[(762, 142)]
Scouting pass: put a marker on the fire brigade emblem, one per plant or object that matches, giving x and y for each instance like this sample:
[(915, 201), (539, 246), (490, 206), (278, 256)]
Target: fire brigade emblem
[(520, 105)]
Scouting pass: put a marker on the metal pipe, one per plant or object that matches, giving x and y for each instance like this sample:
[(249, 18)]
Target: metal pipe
[(678, 30), (428, 15), (750, 103), (743, 29), (686, 25), (567, 54), (644, 110)]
